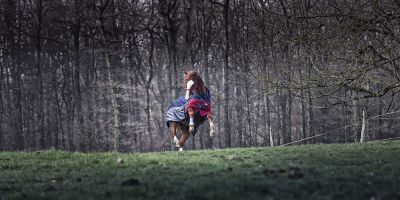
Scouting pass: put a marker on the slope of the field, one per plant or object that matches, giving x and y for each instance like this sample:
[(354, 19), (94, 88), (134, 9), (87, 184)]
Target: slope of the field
[(338, 171)]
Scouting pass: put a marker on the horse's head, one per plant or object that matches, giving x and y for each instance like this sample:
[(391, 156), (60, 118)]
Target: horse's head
[(198, 86)]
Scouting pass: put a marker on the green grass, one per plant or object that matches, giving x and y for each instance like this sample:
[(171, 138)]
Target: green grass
[(337, 171)]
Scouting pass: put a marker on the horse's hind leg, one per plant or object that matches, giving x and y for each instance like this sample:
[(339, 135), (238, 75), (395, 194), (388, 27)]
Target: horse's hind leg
[(184, 137), (173, 129), (212, 127), (191, 118)]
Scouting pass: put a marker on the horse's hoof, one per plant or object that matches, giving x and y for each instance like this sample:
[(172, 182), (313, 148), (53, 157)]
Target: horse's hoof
[(191, 129), (176, 141), (179, 148), (212, 134)]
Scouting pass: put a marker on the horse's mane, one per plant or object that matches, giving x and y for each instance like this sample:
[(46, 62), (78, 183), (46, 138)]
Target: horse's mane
[(198, 86)]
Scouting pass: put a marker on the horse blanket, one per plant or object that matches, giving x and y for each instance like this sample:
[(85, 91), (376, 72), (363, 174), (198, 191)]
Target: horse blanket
[(200, 103)]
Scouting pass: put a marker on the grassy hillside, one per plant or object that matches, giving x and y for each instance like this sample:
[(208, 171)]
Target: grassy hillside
[(339, 171)]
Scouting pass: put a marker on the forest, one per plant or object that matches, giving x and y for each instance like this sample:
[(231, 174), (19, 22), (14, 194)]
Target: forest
[(99, 75)]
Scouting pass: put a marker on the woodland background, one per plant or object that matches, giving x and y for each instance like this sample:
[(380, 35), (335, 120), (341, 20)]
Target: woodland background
[(99, 75)]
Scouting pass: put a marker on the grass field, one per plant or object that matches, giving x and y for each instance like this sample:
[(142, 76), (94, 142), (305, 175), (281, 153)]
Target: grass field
[(337, 171)]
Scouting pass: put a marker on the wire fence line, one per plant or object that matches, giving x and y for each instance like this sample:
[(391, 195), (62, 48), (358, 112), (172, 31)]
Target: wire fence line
[(386, 139), (344, 127)]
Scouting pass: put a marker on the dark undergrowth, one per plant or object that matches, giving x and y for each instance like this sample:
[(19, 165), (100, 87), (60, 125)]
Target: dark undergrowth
[(336, 171)]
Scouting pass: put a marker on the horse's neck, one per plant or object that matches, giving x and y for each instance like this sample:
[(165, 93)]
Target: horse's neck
[(202, 90)]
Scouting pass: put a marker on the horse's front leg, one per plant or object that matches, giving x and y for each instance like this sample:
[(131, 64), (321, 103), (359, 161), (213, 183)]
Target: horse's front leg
[(173, 129), (191, 120), (212, 126), (184, 137)]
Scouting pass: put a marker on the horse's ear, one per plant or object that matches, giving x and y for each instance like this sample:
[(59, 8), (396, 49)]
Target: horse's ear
[(185, 72)]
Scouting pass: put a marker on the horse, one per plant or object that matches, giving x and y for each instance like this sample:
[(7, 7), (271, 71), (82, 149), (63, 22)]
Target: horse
[(188, 113)]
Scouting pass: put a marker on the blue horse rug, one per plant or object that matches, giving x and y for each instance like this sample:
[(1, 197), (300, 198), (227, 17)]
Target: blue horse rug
[(177, 111)]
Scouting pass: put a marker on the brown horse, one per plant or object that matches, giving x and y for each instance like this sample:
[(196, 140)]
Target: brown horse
[(194, 84)]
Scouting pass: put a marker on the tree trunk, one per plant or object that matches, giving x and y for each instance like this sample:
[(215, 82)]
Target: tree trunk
[(310, 111), (148, 116), (39, 75), (284, 125), (111, 42), (354, 121), (248, 114), (271, 139), (289, 115), (239, 115), (83, 138), (278, 118), (303, 111), (362, 135), (227, 125), (1, 108), (209, 141), (111, 85), (61, 127), (148, 84), (91, 77), (219, 134), (267, 112), (18, 139)]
